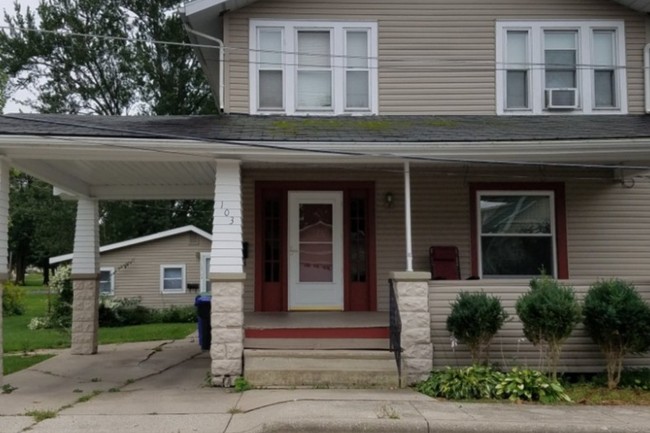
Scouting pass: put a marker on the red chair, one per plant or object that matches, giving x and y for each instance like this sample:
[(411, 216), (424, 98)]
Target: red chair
[(445, 264)]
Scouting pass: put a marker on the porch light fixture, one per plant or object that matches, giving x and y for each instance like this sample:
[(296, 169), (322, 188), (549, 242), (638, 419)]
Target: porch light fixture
[(388, 199)]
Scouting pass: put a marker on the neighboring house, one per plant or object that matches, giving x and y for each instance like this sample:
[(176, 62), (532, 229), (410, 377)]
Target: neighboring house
[(357, 134), (163, 269)]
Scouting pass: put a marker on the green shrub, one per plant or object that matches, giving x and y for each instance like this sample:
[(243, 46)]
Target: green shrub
[(468, 383), (474, 320), (530, 385), (61, 285), (176, 314), (128, 311), (549, 313), (618, 320), (13, 300), (124, 312)]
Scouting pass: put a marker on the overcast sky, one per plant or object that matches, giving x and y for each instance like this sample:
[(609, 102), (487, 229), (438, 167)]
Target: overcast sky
[(8, 5)]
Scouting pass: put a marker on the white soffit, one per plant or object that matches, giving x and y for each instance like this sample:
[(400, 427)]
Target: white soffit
[(637, 5)]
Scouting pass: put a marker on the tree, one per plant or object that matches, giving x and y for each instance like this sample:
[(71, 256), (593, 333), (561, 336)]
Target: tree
[(125, 74), (3, 89), (549, 313), (618, 320), (40, 224)]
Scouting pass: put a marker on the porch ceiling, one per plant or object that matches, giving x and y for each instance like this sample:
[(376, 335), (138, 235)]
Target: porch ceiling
[(112, 158)]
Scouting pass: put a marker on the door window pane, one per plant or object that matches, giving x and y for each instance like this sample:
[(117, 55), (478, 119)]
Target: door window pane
[(316, 243)]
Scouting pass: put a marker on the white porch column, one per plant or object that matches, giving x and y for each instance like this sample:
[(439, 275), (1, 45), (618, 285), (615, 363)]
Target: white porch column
[(85, 278), (4, 236), (407, 217), (227, 276)]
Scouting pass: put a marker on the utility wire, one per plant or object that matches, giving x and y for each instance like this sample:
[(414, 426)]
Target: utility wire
[(418, 63)]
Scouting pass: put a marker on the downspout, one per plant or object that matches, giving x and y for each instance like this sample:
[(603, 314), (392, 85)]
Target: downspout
[(219, 43), (646, 76), (407, 217)]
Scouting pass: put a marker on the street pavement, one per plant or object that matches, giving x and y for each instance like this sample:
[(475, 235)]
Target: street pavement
[(163, 387)]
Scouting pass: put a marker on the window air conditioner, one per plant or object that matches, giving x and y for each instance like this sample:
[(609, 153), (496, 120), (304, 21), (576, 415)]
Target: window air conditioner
[(561, 99)]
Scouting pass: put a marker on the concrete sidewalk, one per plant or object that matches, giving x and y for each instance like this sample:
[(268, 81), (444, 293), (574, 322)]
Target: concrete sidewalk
[(161, 387)]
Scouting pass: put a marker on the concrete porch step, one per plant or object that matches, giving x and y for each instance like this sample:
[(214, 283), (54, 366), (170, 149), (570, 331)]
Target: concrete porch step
[(321, 368)]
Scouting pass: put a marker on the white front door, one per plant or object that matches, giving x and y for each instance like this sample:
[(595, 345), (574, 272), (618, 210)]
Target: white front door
[(315, 250)]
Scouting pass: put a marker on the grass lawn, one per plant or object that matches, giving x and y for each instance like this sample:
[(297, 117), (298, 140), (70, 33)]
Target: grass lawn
[(14, 363), (586, 393), (18, 338)]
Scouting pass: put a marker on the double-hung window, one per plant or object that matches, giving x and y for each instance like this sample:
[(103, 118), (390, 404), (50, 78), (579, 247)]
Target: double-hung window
[(107, 281), (565, 67), (313, 67), (519, 230), (172, 278)]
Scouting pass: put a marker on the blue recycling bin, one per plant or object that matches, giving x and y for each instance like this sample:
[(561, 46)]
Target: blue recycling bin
[(203, 310)]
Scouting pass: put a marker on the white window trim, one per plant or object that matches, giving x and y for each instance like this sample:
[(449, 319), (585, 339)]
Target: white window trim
[(204, 271), (289, 59), (479, 227), (162, 278), (585, 78), (112, 280)]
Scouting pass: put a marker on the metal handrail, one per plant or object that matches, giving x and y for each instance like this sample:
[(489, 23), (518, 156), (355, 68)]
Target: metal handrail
[(395, 328)]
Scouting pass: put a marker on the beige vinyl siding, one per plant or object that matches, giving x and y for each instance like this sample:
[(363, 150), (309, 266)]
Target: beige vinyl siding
[(435, 57), (608, 225), (141, 277), (509, 347)]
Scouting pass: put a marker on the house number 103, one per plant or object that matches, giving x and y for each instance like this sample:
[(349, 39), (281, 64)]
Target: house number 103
[(226, 213)]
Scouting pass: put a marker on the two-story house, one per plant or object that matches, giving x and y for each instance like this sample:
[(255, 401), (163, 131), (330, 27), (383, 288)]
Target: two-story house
[(356, 135)]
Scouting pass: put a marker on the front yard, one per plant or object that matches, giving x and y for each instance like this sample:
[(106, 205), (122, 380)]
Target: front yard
[(20, 342)]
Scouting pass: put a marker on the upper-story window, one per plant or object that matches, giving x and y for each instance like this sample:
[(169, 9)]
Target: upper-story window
[(564, 67), (313, 67)]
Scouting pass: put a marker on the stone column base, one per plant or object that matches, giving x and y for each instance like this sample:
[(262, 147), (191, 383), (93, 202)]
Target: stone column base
[(412, 294), (227, 321), (85, 317)]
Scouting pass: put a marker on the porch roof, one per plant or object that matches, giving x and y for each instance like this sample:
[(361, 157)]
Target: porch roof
[(356, 129), (116, 158)]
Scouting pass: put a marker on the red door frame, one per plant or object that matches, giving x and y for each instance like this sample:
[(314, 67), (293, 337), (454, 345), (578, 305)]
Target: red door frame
[(369, 303)]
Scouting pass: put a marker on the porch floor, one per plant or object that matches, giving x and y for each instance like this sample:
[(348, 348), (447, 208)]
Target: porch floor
[(316, 330)]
